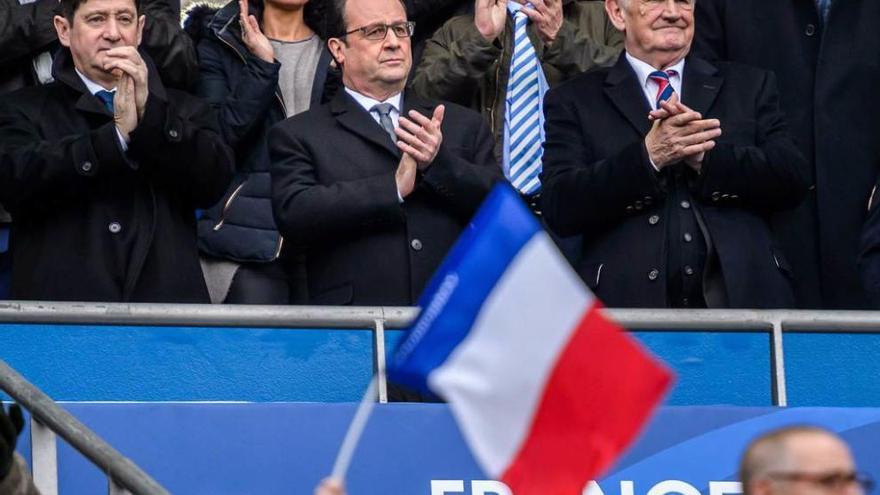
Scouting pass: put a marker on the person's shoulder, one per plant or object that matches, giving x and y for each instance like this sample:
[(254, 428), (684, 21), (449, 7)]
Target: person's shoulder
[(580, 86), (312, 123), (30, 97)]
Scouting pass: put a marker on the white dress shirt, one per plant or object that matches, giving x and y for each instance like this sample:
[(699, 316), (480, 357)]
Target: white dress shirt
[(368, 103), (93, 88)]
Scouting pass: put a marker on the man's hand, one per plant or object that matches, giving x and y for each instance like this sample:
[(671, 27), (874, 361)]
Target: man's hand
[(406, 175), (330, 486), (680, 134), (125, 107), (10, 426), (546, 17), (253, 36), (421, 137), (489, 18), (127, 60)]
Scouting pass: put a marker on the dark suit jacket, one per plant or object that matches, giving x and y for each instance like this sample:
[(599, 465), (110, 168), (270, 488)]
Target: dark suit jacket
[(828, 76), (334, 189), (598, 182), (94, 223)]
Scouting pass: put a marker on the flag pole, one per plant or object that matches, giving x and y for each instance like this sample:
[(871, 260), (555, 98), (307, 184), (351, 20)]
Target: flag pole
[(355, 430)]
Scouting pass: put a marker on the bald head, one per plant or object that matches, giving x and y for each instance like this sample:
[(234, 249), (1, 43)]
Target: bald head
[(773, 461)]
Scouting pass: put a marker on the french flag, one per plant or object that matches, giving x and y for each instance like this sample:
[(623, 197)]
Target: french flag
[(546, 391)]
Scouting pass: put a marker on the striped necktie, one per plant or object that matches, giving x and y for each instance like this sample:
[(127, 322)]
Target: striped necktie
[(822, 6), (664, 87), (524, 111)]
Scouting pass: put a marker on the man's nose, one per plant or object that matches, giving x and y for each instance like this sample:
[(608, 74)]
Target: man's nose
[(111, 30), (671, 9)]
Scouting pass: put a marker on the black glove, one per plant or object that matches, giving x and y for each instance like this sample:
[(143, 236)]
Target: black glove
[(10, 426)]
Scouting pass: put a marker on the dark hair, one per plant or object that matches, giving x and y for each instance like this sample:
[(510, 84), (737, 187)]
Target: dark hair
[(334, 18), (69, 8)]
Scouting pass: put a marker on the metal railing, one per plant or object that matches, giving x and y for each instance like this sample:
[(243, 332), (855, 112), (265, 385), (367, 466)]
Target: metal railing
[(47, 420), (124, 475)]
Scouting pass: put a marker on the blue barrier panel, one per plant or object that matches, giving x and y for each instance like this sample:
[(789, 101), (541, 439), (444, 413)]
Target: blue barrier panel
[(833, 370), (113, 363), (286, 448)]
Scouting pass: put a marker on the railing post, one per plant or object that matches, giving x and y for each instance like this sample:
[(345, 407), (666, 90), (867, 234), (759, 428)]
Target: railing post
[(379, 359), (44, 458), (777, 361)]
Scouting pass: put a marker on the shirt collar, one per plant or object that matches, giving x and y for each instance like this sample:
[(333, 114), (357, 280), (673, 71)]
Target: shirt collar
[(643, 69), (368, 103), (92, 86)]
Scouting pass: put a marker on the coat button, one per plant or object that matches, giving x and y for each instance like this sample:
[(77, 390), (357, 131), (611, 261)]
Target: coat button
[(639, 205), (86, 166), (716, 196), (810, 30), (172, 133), (653, 219), (688, 237), (629, 208), (685, 204), (416, 244), (114, 227), (653, 274), (649, 200), (688, 270)]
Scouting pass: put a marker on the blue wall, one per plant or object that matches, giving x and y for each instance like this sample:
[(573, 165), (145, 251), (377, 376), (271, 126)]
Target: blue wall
[(107, 363)]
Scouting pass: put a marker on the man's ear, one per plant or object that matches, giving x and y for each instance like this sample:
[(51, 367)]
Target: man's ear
[(615, 13), (141, 22), (62, 28), (337, 50)]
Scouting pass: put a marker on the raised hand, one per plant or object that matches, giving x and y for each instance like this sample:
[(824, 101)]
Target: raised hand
[(126, 61), (490, 17), (674, 107), (546, 16), (124, 106), (683, 136), (421, 137), (253, 36)]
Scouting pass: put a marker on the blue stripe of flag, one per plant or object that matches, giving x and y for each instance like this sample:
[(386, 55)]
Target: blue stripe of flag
[(454, 297)]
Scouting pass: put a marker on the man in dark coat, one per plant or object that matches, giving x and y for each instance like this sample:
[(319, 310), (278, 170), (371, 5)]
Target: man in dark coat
[(103, 169), (378, 183), (672, 212), (824, 54)]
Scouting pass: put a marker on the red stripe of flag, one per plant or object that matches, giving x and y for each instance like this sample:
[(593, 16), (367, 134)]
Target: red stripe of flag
[(599, 395)]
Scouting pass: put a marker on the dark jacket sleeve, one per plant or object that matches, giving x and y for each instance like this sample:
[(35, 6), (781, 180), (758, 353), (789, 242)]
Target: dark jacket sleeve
[(32, 168), (312, 212), (25, 29), (464, 179), (710, 37), (168, 45), (180, 140), (586, 40), (771, 175), (241, 101), (582, 193), (455, 59)]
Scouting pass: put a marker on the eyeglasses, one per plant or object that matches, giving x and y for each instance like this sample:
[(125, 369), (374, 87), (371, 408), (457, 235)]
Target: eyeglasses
[(834, 481), (380, 31)]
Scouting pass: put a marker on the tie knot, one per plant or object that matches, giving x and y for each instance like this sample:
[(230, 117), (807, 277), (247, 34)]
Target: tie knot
[(384, 109), (106, 97), (659, 75)]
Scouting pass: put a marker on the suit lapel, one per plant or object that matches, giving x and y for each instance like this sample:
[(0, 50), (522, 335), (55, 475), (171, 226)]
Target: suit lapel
[(356, 119), (701, 85), (623, 89)]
